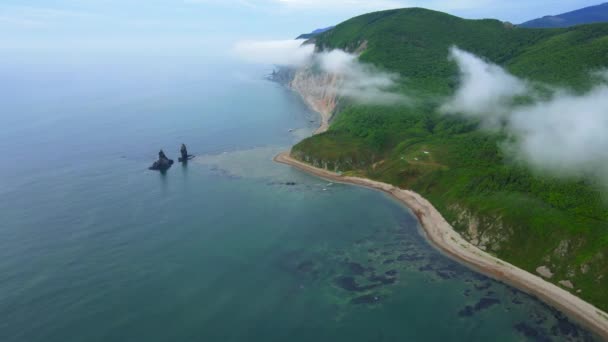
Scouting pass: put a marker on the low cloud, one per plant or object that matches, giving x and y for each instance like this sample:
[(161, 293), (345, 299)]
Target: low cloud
[(566, 134), (360, 82), (485, 89), (562, 133), (278, 52)]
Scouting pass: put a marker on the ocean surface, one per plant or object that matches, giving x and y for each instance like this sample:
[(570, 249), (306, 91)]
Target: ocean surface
[(95, 247)]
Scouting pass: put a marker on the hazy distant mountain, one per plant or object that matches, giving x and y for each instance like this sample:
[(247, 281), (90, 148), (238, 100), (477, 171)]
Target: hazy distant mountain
[(314, 33), (587, 15)]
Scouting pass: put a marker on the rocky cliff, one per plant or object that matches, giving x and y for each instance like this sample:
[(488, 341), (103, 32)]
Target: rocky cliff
[(319, 91)]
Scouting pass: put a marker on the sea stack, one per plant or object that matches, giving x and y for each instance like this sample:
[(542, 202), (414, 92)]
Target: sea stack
[(163, 163), (185, 156)]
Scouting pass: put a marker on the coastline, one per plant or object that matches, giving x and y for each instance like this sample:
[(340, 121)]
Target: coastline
[(442, 236)]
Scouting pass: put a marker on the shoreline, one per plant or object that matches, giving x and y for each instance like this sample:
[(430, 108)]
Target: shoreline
[(443, 237)]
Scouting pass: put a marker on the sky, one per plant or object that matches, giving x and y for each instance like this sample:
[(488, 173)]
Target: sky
[(75, 28)]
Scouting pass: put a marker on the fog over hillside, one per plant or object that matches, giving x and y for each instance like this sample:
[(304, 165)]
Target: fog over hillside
[(564, 133), (360, 82)]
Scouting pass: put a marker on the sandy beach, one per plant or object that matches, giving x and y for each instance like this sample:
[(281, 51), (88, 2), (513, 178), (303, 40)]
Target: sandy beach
[(441, 234)]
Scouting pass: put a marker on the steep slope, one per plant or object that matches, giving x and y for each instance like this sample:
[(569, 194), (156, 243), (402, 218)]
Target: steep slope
[(531, 220), (587, 15)]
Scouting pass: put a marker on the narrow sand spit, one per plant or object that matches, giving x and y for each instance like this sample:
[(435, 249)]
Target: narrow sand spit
[(441, 234)]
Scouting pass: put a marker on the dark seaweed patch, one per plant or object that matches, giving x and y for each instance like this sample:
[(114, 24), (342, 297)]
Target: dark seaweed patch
[(564, 326), (388, 261), (482, 304), (466, 312), (443, 274), (485, 303), (530, 332), (516, 301), (382, 279), (479, 276), (350, 284), (453, 268), (356, 268), (425, 268), (515, 291), (484, 286), (365, 299), (410, 257)]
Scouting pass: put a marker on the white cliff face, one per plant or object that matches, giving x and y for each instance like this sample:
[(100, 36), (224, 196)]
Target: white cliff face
[(319, 91)]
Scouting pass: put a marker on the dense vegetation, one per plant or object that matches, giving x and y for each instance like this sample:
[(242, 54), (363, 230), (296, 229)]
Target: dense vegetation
[(526, 218)]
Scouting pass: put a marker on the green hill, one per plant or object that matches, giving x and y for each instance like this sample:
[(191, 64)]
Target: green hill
[(525, 218)]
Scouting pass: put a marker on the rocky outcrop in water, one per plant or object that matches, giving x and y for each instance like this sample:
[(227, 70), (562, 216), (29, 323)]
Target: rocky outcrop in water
[(282, 75), (163, 163), (184, 154)]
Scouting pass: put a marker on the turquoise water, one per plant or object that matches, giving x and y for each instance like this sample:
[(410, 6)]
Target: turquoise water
[(94, 247)]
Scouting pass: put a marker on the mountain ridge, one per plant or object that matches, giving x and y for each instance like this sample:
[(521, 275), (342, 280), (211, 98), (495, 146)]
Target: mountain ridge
[(314, 33), (586, 15)]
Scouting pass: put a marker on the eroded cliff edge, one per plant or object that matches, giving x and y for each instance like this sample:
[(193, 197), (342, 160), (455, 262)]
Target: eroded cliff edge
[(318, 89)]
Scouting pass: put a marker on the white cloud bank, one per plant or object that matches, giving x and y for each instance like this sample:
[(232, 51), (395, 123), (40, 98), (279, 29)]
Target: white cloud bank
[(484, 88), (361, 82), (279, 52), (564, 133), (358, 81)]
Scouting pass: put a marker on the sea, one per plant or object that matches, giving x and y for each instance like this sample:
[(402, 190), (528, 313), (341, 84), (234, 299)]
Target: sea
[(228, 247)]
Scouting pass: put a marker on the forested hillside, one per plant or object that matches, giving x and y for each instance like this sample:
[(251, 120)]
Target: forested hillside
[(528, 218)]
